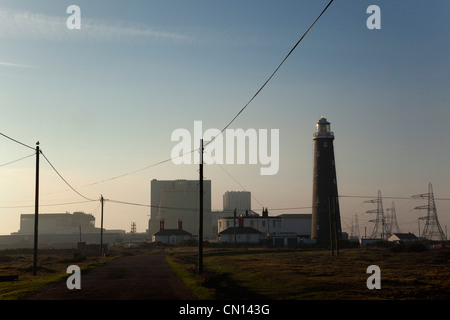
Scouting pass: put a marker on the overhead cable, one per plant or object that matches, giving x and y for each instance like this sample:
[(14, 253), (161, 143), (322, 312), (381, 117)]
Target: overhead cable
[(48, 205), (273, 73), (5, 164), (234, 118), (23, 144), (65, 179)]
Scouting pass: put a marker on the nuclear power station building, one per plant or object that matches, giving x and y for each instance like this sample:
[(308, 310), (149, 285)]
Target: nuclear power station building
[(178, 200), (326, 220)]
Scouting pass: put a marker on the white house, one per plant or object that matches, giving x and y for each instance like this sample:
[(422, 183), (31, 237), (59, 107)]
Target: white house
[(171, 236), (262, 224), (242, 234), (300, 224), (402, 237)]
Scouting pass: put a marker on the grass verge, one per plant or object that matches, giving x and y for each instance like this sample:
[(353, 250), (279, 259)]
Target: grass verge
[(16, 290), (190, 279), (316, 275)]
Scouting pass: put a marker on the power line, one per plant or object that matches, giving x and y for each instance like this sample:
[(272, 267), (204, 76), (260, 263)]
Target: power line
[(184, 209), (273, 73), (65, 179), (23, 144), (402, 198), (244, 189), (5, 164), (370, 197), (298, 208), (131, 172), (47, 205), (232, 120)]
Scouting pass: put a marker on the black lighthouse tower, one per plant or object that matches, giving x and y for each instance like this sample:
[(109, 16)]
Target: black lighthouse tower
[(326, 220)]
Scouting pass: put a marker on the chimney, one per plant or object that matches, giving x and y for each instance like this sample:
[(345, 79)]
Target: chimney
[(241, 221), (180, 224), (161, 225)]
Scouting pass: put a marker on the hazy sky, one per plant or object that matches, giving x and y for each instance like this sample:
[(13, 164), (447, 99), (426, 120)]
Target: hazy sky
[(104, 100)]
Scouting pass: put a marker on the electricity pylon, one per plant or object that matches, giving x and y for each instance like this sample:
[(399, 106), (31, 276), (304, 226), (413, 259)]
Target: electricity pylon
[(432, 229), (379, 230), (354, 234), (391, 221)]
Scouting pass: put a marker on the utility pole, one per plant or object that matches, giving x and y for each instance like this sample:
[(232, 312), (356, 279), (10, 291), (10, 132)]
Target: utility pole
[(101, 228), (234, 227), (36, 211), (200, 216)]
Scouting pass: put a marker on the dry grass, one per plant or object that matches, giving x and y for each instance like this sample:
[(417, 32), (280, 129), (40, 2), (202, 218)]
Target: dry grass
[(297, 274), (259, 273), (52, 266)]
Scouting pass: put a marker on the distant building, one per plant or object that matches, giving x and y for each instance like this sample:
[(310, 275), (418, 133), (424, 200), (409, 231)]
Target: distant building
[(285, 230), (173, 200), (60, 230), (299, 224), (367, 241), (265, 225), (239, 200), (171, 236), (402, 237), (243, 235), (289, 239), (251, 229), (58, 223)]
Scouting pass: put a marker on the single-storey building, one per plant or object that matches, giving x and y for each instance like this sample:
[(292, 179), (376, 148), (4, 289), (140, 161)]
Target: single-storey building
[(290, 239), (171, 236), (403, 237)]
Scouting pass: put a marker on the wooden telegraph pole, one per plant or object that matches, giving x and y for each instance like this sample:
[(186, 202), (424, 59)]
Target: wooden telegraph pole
[(36, 211), (101, 228), (200, 216)]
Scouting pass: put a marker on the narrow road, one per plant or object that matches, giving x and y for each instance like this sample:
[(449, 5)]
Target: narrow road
[(146, 277)]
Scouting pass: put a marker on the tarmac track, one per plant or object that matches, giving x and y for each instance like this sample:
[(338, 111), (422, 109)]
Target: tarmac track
[(144, 277)]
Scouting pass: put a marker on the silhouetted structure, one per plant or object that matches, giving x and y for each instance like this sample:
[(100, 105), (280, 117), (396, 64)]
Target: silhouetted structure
[(391, 219), (326, 220), (380, 228), (432, 229), (239, 200), (173, 200)]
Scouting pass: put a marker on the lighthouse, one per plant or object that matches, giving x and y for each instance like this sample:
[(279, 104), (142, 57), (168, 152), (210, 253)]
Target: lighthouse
[(326, 221)]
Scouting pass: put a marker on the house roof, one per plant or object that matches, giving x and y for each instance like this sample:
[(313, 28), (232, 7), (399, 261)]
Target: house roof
[(249, 217), (241, 230), (295, 216), (405, 236), (172, 232)]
